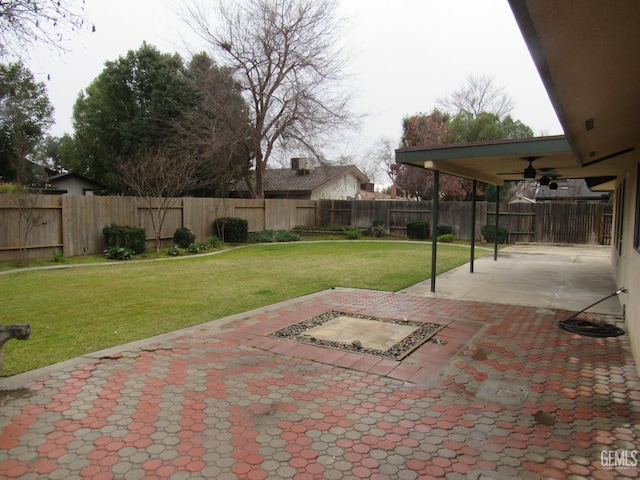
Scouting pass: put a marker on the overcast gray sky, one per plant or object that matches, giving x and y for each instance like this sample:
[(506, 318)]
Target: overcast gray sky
[(408, 53)]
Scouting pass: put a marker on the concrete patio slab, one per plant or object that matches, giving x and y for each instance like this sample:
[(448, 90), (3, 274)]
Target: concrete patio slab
[(544, 276)]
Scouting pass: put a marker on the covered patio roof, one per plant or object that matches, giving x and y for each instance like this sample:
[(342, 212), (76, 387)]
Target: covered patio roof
[(498, 161)]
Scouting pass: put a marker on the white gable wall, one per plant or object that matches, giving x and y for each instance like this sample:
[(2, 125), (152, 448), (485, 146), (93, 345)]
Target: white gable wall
[(346, 187), (74, 186)]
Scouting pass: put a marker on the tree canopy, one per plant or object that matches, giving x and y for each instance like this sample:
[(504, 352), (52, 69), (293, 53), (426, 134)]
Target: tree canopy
[(126, 109), (150, 101), (485, 126), (25, 116)]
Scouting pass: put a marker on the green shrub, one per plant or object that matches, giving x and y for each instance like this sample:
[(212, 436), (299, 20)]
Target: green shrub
[(118, 253), (443, 230), (489, 234), (446, 238), (352, 234), (264, 236), (11, 188), (325, 227), (174, 251), (286, 236), (214, 242), (231, 229), (58, 257), (183, 237), (197, 247), (376, 230), (418, 230), (131, 238), (271, 236)]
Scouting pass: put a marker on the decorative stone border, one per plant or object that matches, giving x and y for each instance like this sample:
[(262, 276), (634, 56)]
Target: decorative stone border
[(397, 352)]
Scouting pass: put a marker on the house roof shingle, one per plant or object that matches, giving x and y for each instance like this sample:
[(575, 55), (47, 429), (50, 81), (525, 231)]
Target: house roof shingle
[(288, 180)]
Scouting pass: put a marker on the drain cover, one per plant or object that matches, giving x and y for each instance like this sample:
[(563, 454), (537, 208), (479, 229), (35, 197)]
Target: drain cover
[(502, 392), (385, 337)]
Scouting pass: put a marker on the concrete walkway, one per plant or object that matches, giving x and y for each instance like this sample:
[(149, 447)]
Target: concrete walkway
[(545, 276), (499, 393)]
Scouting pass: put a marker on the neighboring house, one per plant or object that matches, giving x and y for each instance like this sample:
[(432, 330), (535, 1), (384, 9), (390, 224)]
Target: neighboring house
[(372, 195), (587, 56), (573, 190), (307, 181), (71, 184)]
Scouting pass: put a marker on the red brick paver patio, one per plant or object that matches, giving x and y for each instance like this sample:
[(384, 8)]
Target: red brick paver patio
[(504, 393)]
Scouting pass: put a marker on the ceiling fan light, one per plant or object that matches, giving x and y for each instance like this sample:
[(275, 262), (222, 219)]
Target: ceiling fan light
[(529, 172), (544, 181), (553, 186)]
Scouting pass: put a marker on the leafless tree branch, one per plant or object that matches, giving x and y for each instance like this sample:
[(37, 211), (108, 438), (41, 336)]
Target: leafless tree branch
[(27, 22), (160, 177), (479, 94)]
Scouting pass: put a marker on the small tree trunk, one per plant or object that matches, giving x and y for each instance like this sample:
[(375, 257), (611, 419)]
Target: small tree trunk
[(157, 242)]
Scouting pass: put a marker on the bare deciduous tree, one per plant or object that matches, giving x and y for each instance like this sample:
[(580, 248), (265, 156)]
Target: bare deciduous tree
[(26, 22), (479, 94), (286, 56), (384, 154), (160, 177)]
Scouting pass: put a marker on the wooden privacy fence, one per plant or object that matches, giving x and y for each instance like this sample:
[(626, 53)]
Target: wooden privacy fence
[(572, 223), (396, 214), (73, 224)]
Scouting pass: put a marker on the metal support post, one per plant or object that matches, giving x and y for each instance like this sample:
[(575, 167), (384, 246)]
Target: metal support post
[(434, 229)]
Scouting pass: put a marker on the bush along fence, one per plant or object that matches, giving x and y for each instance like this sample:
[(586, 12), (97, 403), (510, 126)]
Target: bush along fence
[(41, 226)]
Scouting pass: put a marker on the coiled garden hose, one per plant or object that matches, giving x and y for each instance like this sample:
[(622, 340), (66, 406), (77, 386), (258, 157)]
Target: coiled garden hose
[(592, 329)]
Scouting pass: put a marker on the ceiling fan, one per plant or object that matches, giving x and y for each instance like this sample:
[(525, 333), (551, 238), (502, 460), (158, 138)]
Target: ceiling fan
[(547, 175), (529, 172)]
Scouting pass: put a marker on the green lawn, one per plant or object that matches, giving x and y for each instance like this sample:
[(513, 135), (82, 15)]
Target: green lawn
[(74, 311)]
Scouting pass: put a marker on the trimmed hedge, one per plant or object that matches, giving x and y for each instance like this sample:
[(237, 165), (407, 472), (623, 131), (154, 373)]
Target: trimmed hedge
[(446, 238), (418, 230), (273, 236), (131, 238), (231, 229), (183, 237)]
